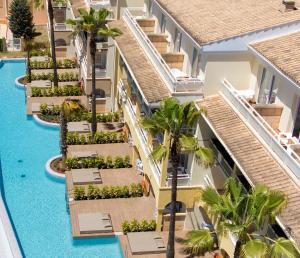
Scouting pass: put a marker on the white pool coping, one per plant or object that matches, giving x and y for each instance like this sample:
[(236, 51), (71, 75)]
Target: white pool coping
[(9, 245), (20, 85), (51, 172), (44, 123)]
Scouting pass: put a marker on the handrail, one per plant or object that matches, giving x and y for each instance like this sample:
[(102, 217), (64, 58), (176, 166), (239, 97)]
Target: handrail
[(139, 131), (161, 65), (266, 132)]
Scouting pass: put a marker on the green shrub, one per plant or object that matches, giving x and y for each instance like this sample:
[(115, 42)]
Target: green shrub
[(107, 192), (138, 226), (99, 138), (90, 162), (62, 77), (69, 90)]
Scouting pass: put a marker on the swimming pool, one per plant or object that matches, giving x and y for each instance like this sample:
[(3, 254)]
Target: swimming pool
[(37, 202)]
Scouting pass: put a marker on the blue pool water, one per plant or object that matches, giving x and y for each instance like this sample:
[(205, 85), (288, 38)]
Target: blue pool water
[(36, 202)]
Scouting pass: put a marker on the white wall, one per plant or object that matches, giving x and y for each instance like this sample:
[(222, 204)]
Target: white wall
[(236, 68)]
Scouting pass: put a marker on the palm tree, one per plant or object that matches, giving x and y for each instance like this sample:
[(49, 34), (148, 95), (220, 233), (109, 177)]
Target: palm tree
[(69, 109), (246, 215), (39, 4), (174, 119), (94, 23)]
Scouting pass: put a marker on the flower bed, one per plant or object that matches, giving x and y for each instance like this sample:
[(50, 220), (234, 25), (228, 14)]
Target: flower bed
[(62, 64), (62, 77), (40, 52), (99, 138), (99, 161), (58, 165), (107, 192), (68, 90), (138, 226)]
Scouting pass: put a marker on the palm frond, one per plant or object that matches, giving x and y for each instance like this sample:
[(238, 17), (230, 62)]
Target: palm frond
[(205, 156), (254, 249), (159, 152), (199, 242), (211, 197), (283, 247), (188, 143)]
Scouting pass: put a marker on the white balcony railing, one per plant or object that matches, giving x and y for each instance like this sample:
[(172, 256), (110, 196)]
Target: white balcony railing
[(262, 128), (62, 27), (139, 132), (98, 4), (189, 84)]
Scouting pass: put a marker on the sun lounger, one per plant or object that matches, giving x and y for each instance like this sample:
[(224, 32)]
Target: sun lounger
[(39, 58), (146, 243), (90, 223), (41, 84), (86, 176), (80, 127), (83, 154)]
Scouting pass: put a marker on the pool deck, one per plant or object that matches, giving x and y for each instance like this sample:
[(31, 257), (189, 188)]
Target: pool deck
[(120, 176), (119, 209), (53, 101), (113, 150), (179, 248)]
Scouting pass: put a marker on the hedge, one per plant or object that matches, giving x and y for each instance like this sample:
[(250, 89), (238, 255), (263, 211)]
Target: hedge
[(107, 192), (138, 226), (99, 162), (68, 90), (62, 77), (74, 138), (63, 64)]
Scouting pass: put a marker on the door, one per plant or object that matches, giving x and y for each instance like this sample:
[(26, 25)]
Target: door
[(296, 130)]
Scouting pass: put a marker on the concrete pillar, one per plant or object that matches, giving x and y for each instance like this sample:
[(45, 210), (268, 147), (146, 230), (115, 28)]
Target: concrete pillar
[(165, 160), (159, 220), (88, 57)]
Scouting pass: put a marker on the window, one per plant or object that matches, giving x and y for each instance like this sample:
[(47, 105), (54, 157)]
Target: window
[(195, 63), (163, 23), (101, 58), (268, 88), (177, 41)]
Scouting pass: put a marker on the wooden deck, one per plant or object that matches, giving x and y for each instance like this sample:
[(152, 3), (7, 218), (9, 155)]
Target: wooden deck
[(119, 210), (115, 149), (120, 176), (179, 249), (52, 100)]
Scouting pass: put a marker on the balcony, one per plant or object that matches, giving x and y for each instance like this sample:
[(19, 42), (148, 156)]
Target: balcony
[(287, 154), (62, 27), (98, 4), (168, 65)]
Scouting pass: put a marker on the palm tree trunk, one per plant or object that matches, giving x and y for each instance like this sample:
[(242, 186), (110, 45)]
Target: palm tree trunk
[(63, 133), (28, 63), (237, 249), (52, 39), (93, 56), (175, 164)]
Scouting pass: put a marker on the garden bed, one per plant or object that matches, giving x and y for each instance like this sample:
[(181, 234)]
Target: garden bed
[(58, 166), (61, 64), (62, 77), (67, 90)]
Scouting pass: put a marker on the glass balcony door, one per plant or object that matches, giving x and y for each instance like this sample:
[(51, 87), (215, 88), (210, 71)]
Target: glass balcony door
[(268, 88)]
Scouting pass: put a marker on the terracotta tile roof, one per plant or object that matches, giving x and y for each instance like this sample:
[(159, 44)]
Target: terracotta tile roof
[(208, 21), (152, 86), (284, 53), (254, 158)]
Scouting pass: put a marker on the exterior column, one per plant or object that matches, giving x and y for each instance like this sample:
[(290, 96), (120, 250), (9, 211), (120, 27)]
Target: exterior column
[(88, 57), (159, 220)]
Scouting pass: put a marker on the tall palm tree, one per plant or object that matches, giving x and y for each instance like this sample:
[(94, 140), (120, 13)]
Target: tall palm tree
[(94, 23), (39, 4), (245, 215), (69, 109), (173, 119)]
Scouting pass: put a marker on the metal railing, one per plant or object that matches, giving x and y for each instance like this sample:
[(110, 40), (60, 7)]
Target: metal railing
[(262, 128), (62, 27), (160, 64), (140, 133)]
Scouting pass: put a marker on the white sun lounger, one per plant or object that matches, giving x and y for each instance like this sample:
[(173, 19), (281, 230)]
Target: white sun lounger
[(146, 243), (41, 84), (96, 222), (86, 176), (83, 154), (80, 127)]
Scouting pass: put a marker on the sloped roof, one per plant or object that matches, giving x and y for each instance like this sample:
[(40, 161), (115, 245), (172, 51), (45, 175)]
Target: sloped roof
[(152, 86), (283, 52), (207, 21), (254, 158)]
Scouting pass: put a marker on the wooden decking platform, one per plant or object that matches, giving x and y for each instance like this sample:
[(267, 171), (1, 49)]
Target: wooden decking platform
[(53, 101), (119, 210), (179, 248), (120, 176), (115, 149)]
